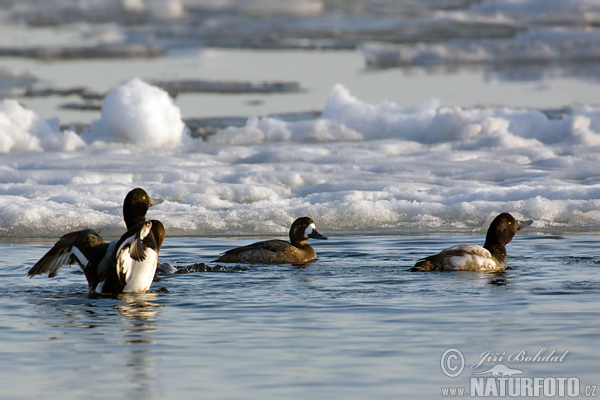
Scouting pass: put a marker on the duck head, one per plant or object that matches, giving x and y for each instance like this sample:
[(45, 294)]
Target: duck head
[(302, 229), (135, 206), (503, 228)]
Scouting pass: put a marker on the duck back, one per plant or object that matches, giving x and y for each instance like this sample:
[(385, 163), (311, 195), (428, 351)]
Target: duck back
[(270, 252), (460, 258)]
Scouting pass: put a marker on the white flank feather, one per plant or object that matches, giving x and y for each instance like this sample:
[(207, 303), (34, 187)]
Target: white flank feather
[(124, 264), (138, 274), (141, 273), (474, 258), (126, 243)]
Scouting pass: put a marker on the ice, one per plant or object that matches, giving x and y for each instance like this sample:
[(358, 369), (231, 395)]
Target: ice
[(134, 113), (346, 118), (302, 23), (273, 130), (24, 130), (14, 82), (284, 7), (138, 113), (359, 167), (535, 46), (167, 10), (541, 12)]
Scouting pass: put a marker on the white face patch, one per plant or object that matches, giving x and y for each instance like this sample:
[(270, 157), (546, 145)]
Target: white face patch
[(309, 229)]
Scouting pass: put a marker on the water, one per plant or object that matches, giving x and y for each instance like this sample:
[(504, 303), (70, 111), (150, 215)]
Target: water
[(400, 128), (355, 323)]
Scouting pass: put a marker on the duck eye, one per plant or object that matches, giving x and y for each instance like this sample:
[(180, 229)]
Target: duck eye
[(509, 222), (144, 198)]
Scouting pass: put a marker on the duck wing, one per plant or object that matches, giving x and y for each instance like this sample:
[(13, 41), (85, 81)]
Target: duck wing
[(256, 252), (81, 247)]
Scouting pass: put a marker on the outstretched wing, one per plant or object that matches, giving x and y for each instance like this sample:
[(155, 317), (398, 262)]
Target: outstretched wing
[(74, 247)]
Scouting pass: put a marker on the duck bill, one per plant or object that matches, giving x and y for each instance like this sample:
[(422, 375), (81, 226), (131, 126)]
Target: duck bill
[(316, 235), (155, 202), (524, 224)]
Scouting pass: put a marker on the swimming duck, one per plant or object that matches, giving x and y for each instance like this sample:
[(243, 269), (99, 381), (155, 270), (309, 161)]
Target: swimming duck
[(124, 265), (297, 251), (490, 257)]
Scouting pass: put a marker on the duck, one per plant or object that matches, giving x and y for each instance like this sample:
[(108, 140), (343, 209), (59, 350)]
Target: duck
[(125, 265), (489, 257), (296, 251)]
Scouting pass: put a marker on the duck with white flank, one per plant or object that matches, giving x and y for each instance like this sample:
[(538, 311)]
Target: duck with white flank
[(279, 251), (124, 265), (490, 257)]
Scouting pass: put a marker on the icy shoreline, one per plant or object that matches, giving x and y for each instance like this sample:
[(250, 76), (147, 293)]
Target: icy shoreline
[(357, 168)]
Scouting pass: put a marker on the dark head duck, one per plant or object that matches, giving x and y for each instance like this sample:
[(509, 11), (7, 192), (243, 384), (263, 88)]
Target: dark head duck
[(296, 251), (124, 265), (136, 205), (490, 257)]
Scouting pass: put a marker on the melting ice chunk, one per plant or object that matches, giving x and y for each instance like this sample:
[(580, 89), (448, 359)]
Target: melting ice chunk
[(139, 113)]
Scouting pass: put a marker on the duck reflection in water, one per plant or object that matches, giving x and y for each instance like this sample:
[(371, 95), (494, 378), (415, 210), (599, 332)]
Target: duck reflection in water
[(139, 312)]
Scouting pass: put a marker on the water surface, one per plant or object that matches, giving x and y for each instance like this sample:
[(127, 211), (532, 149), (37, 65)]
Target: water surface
[(388, 172), (353, 324)]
